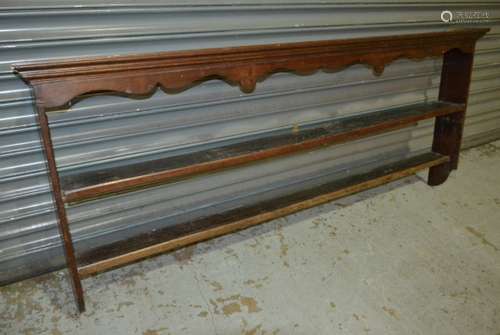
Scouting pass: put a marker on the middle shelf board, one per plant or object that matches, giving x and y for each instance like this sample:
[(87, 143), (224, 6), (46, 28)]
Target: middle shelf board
[(94, 184)]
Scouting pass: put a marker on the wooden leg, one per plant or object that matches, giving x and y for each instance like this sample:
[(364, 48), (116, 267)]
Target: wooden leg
[(62, 221), (454, 87), (447, 138)]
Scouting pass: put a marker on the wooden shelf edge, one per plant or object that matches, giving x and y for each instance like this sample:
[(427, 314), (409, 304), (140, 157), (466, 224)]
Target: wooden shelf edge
[(153, 179), (406, 168)]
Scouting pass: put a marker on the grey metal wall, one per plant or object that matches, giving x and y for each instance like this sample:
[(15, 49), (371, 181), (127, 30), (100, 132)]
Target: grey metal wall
[(104, 131)]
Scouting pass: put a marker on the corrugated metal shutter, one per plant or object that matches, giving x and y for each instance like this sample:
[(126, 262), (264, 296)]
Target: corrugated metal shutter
[(104, 130)]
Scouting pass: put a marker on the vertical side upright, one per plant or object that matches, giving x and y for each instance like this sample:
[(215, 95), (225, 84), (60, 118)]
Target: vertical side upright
[(62, 218), (448, 129)]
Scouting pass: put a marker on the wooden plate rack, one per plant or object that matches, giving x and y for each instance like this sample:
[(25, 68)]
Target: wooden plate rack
[(57, 83)]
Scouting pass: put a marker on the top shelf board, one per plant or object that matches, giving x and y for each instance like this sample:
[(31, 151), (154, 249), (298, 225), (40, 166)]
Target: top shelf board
[(57, 83)]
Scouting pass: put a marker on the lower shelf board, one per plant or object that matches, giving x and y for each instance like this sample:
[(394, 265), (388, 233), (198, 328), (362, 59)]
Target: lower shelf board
[(183, 234)]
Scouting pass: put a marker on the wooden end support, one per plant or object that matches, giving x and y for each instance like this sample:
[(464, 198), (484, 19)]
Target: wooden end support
[(448, 129), (69, 250)]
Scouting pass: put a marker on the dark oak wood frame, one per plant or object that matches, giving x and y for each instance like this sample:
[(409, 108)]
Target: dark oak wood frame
[(57, 83)]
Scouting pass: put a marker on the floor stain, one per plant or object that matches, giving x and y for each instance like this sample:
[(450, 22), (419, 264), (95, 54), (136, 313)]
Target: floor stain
[(480, 236), (183, 256), (231, 308), (195, 306), (487, 150), (317, 222), (333, 232), (154, 331), (257, 283), (231, 253), (216, 286), (391, 311), (172, 305), (283, 246), (253, 331), (464, 295), (123, 304), (22, 295), (234, 304), (258, 330), (250, 304)]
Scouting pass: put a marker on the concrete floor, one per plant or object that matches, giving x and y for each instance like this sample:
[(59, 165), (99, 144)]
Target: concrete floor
[(401, 259)]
